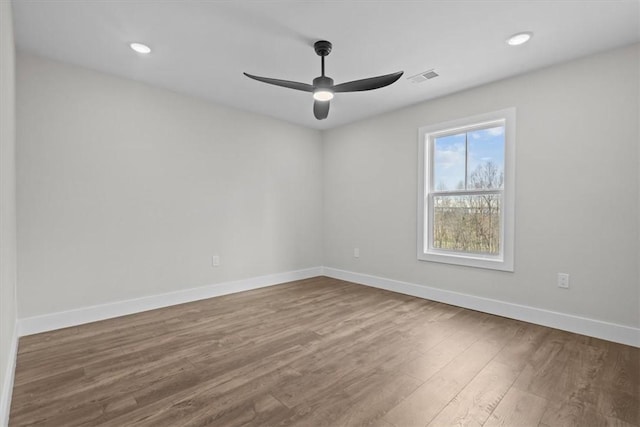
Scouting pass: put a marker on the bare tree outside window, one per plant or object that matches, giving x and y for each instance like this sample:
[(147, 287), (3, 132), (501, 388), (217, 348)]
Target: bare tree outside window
[(471, 223)]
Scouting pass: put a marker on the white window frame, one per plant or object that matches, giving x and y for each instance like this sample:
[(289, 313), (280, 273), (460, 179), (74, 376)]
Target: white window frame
[(426, 135)]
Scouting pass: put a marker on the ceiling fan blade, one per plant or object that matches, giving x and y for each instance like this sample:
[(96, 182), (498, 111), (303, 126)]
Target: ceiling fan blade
[(321, 109), (284, 83), (368, 84)]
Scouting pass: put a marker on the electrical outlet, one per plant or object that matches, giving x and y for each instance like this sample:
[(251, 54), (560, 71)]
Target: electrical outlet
[(215, 260), (563, 280), (356, 252)]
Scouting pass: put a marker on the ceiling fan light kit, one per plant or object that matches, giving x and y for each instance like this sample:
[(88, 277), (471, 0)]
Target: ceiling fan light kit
[(322, 94), (323, 88)]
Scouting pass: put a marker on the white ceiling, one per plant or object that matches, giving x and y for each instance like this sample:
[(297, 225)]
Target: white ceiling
[(201, 48)]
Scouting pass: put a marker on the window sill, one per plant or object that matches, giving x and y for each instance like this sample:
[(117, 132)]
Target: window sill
[(468, 261)]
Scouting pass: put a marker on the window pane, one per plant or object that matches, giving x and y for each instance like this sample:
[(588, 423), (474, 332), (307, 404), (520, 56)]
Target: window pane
[(467, 223), (485, 166), (449, 162)]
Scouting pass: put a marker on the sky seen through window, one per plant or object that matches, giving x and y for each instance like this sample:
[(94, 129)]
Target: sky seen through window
[(481, 147)]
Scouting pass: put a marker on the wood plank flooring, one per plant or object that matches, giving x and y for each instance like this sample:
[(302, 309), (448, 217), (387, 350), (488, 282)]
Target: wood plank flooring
[(322, 352)]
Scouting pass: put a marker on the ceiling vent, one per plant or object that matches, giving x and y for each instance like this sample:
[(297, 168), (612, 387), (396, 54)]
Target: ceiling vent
[(425, 75)]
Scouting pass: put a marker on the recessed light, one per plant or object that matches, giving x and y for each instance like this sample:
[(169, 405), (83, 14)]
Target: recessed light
[(140, 48), (520, 38)]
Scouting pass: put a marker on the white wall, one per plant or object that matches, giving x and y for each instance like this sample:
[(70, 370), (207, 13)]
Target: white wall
[(125, 190), (119, 200), (7, 209), (577, 190)]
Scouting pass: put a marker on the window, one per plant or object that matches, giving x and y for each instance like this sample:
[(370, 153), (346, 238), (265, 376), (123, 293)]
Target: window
[(466, 191)]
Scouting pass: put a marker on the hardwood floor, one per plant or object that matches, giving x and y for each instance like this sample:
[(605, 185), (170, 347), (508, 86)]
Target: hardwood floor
[(322, 352)]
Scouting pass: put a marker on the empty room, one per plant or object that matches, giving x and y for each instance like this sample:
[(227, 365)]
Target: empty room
[(320, 213)]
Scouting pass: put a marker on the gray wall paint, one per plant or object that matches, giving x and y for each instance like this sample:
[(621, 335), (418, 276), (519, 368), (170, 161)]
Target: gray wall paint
[(7, 196), (576, 191), (125, 199), (125, 190)]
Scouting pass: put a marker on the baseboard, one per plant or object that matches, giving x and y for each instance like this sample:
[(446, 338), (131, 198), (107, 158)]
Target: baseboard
[(7, 384), (64, 319), (580, 325)]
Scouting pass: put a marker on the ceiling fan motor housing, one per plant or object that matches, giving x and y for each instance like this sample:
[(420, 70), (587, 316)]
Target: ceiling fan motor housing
[(323, 82)]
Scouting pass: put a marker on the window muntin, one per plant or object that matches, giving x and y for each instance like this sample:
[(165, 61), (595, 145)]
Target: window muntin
[(466, 195)]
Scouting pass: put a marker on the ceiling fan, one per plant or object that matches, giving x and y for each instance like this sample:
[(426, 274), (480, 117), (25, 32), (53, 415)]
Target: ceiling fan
[(323, 87)]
